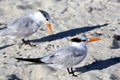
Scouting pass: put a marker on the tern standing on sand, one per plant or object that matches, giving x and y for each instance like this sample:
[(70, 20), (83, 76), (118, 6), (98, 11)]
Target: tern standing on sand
[(25, 26), (66, 57)]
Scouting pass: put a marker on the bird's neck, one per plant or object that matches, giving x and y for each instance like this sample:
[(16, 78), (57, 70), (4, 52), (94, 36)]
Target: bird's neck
[(79, 45)]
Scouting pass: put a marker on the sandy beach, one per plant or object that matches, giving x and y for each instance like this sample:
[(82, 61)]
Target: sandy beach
[(69, 18)]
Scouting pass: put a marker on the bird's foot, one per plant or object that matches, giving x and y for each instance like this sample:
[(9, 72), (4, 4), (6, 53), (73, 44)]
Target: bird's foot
[(74, 75), (26, 42), (71, 72)]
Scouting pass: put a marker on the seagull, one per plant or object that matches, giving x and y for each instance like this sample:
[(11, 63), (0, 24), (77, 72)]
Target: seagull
[(25, 26), (66, 57)]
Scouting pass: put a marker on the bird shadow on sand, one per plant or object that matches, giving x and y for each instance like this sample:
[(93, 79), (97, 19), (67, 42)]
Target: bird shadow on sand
[(68, 33), (13, 77), (5, 46), (98, 65)]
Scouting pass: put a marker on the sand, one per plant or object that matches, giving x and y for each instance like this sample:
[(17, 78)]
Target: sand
[(69, 18)]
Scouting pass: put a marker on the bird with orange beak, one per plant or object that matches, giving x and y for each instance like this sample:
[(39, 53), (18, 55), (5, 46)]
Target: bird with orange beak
[(25, 26), (66, 57)]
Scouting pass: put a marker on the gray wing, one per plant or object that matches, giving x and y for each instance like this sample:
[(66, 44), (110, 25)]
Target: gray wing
[(68, 56), (21, 27), (22, 22)]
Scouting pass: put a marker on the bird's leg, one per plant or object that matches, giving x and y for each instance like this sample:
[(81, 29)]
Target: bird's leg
[(27, 42), (71, 72)]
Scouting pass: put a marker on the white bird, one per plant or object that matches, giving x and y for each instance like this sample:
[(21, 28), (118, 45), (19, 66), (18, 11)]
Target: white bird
[(66, 57), (25, 26)]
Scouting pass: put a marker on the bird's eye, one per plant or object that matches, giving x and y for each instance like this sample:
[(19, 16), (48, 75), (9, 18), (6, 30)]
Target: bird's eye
[(47, 19)]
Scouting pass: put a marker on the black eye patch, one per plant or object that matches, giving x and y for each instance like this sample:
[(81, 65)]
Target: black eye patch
[(77, 40), (83, 40), (44, 14), (46, 19)]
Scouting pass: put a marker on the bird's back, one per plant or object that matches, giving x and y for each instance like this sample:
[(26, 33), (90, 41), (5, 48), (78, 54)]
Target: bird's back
[(66, 57), (20, 27)]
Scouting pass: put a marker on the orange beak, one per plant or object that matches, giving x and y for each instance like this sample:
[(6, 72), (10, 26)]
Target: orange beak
[(93, 39), (49, 27)]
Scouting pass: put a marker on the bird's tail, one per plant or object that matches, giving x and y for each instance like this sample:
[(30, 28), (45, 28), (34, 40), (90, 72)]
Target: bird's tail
[(34, 60), (5, 31)]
